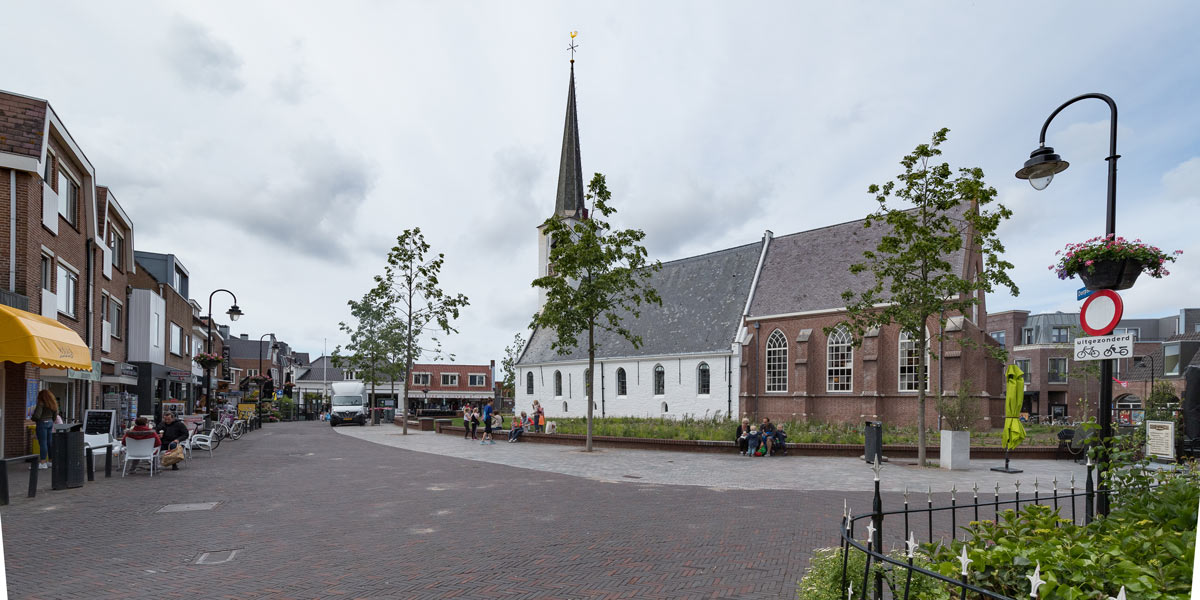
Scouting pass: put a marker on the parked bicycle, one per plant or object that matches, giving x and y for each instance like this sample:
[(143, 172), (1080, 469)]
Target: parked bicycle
[(228, 425)]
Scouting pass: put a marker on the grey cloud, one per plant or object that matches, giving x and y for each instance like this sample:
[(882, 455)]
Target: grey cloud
[(518, 202), (201, 60), (689, 221)]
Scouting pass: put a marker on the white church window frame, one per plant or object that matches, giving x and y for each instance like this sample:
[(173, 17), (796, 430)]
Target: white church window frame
[(776, 363), (908, 361), (660, 380), (622, 383), (839, 361), (558, 384), (529, 383), (703, 379)]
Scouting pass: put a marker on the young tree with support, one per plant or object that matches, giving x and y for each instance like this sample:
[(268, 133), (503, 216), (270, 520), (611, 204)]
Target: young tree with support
[(913, 280), (367, 352), (599, 276), (423, 310), (508, 365)]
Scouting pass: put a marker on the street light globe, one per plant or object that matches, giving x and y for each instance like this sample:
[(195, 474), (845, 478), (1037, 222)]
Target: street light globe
[(234, 312), (1041, 167), (1041, 183)]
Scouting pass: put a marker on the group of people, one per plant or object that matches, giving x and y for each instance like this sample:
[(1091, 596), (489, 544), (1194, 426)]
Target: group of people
[(168, 436), (760, 440), (492, 420)]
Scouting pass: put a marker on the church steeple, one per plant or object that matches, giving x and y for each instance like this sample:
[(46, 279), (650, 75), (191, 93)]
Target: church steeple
[(569, 202)]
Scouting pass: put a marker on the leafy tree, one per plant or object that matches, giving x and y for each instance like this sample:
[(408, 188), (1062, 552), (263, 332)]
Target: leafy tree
[(914, 280), (423, 310), (509, 363), (599, 276), (367, 353)]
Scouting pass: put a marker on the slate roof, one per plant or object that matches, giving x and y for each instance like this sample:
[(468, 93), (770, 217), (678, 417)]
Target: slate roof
[(317, 371), (239, 348), (809, 270), (24, 124), (703, 297)]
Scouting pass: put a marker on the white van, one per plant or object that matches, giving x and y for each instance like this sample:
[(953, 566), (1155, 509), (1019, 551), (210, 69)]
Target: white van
[(349, 403)]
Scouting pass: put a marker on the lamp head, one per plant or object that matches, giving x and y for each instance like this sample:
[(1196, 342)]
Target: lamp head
[(234, 312), (1042, 166)]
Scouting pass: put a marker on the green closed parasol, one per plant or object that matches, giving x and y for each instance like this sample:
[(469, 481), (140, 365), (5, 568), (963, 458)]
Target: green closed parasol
[(1014, 432)]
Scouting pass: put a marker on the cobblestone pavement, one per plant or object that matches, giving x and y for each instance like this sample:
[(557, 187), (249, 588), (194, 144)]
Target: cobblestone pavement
[(724, 471), (315, 513)]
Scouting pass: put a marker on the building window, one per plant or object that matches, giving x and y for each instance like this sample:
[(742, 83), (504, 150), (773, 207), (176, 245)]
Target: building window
[(558, 386), (1136, 331), (660, 380), (68, 197), (564, 406), (1060, 335), (1027, 336), (664, 407), (118, 250), (701, 379), (999, 336), (1056, 370), (529, 384), (421, 379), (1171, 359), (252, 372), (839, 360), (621, 382), (910, 363), (47, 273), (68, 285), (476, 380), (777, 362), (176, 340), (1023, 364), (449, 379)]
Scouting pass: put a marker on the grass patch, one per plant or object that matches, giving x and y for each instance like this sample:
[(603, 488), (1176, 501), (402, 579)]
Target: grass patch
[(809, 433)]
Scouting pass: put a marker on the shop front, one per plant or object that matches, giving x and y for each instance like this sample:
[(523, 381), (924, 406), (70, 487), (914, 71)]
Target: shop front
[(118, 391)]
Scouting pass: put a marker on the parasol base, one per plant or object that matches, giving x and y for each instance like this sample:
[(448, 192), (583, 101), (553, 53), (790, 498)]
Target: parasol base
[(1007, 470)]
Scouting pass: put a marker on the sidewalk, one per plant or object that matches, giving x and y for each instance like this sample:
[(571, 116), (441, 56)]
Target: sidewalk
[(726, 471)]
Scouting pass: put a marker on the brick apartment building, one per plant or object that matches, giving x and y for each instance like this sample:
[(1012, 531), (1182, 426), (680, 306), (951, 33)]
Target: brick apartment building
[(1057, 385), (449, 386), (160, 330)]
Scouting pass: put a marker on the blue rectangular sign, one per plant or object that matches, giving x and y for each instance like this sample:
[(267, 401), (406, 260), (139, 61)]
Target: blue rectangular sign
[(1083, 293)]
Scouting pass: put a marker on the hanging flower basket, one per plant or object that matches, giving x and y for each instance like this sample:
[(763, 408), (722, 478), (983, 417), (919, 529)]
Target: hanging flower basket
[(208, 360), (1108, 263)]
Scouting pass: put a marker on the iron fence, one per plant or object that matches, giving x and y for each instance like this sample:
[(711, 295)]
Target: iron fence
[(1082, 503)]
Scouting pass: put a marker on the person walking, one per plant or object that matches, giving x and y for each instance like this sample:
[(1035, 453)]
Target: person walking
[(487, 424), (44, 414)]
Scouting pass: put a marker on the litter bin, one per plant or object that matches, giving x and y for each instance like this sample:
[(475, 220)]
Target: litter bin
[(873, 446), (67, 455)]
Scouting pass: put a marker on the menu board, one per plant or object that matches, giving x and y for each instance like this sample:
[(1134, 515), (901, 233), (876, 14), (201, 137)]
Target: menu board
[(173, 407), (246, 411), (1160, 439), (99, 422)]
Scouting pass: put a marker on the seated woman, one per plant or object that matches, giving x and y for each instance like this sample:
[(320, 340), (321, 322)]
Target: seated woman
[(741, 436), (518, 427)]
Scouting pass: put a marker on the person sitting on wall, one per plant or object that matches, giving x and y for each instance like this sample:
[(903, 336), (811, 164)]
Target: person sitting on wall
[(767, 429), (518, 428), (742, 435)]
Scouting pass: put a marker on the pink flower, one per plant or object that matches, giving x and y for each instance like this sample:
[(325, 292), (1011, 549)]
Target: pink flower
[(1089, 263)]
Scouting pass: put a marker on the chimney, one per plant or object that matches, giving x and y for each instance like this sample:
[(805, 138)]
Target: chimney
[(224, 331), (245, 336)]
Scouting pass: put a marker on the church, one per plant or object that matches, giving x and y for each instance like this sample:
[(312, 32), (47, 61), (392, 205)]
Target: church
[(741, 333)]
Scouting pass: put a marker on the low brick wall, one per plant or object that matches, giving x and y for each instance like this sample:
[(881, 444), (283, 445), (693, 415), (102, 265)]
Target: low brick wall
[(851, 450)]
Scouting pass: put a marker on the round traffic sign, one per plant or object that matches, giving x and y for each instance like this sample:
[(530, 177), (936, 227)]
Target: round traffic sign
[(1101, 312)]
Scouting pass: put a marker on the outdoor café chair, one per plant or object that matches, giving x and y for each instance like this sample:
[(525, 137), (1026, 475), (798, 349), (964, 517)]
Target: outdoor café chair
[(140, 450)]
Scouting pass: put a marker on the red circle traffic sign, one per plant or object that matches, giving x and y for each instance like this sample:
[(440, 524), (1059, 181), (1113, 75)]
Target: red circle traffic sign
[(1101, 312)]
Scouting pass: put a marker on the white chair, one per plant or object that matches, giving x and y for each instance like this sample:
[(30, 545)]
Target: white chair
[(98, 442), (140, 450), (202, 441)]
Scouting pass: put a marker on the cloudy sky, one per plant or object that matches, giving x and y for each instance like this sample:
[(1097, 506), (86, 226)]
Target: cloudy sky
[(279, 148)]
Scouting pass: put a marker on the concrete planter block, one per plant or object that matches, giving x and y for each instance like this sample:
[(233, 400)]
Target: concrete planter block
[(955, 450)]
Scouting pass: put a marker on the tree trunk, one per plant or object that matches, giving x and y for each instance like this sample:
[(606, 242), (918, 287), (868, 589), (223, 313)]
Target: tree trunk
[(408, 355), (587, 383), (922, 381)]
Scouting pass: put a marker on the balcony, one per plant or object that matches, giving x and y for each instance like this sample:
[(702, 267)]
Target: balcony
[(49, 209), (49, 303), (14, 300)]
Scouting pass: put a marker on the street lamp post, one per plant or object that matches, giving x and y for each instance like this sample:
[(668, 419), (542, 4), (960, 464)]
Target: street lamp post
[(261, 338), (234, 312), (1039, 170), (1142, 361)]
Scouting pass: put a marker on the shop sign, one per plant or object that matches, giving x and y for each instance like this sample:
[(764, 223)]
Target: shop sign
[(179, 375), (128, 370), (93, 375)]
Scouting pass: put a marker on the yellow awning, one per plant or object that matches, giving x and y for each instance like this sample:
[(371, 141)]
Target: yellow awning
[(26, 337)]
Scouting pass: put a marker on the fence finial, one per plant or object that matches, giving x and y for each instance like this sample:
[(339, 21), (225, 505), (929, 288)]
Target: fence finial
[(871, 534), (1120, 595), (850, 591), (1035, 580), (975, 488), (964, 560), (1017, 484), (906, 494), (912, 545), (877, 467), (954, 493)]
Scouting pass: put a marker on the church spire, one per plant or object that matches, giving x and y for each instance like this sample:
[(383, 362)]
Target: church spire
[(569, 202)]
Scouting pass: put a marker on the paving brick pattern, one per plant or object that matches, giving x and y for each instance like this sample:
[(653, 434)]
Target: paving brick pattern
[(315, 514)]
